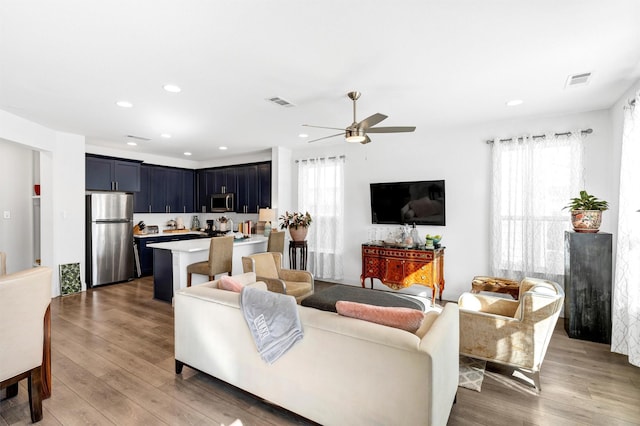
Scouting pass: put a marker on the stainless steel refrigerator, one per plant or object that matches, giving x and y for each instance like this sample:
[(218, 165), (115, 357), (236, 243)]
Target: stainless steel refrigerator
[(109, 234)]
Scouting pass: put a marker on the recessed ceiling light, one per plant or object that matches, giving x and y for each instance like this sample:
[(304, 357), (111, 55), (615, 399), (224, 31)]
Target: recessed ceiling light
[(124, 104), (187, 153), (132, 143), (165, 135), (222, 148), (172, 88), (303, 135), (515, 102)]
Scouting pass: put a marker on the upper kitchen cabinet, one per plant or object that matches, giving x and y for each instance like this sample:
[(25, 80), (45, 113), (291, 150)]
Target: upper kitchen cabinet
[(250, 182), (112, 174), (165, 190), (254, 187)]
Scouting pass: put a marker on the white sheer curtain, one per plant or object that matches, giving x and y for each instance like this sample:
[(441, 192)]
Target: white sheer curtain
[(321, 193), (625, 337), (533, 179)]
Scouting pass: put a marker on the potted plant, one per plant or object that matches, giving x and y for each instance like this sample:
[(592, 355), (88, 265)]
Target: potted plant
[(297, 224), (586, 212)]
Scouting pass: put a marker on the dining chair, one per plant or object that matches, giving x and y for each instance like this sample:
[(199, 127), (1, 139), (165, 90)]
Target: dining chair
[(24, 299)]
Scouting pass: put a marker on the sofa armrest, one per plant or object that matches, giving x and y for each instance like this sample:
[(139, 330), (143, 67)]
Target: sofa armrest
[(258, 284), (274, 284), (488, 304)]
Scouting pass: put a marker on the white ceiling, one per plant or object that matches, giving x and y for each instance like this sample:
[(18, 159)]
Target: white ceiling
[(65, 63)]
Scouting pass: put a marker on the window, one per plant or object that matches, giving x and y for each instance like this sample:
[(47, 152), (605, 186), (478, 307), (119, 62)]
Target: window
[(321, 193), (533, 179)]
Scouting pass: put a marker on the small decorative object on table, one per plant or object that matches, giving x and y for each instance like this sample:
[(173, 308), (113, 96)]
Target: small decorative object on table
[(432, 241), (586, 212), (297, 224)]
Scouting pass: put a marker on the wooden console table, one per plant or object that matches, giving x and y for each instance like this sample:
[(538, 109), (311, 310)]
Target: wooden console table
[(398, 268)]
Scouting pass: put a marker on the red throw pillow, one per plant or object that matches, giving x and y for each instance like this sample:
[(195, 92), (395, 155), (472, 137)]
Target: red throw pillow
[(231, 284), (404, 318)]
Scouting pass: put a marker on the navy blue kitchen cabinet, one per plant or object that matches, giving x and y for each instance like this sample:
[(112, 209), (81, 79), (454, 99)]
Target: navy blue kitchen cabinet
[(247, 189), (142, 198), (250, 182), (170, 190), (145, 254), (111, 174), (264, 185), (188, 191)]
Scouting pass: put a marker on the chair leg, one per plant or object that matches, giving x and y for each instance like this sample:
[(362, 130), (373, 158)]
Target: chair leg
[(35, 394), (188, 279), (10, 392), (536, 380)]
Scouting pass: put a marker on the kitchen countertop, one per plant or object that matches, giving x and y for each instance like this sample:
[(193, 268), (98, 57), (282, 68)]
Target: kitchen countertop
[(169, 234), (202, 244)]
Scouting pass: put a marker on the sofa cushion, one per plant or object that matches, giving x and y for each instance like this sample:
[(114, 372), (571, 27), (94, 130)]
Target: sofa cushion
[(403, 318), (231, 284)]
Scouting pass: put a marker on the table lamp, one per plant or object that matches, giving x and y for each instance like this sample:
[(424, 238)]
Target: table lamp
[(267, 216)]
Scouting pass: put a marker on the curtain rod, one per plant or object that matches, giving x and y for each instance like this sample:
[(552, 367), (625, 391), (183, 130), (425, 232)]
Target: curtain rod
[(584, 132), (322, 158)]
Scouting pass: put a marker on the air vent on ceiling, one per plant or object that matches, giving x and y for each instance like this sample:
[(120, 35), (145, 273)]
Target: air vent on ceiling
[(138, 138), (578, 79), (279, 101)]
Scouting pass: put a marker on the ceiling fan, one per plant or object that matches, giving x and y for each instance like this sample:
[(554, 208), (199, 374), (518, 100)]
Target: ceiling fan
[(357, 131)]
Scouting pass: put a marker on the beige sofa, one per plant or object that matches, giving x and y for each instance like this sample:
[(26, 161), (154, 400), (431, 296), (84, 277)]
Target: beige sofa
[(344, 370)]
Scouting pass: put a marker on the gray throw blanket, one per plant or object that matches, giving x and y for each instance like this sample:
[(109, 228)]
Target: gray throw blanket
[(273, 321)]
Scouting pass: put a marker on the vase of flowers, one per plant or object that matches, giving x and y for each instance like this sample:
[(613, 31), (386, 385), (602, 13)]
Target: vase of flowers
[(297, 224)]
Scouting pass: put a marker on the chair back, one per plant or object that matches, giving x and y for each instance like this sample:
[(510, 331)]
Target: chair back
[(3, 263), (263, 264), (220, 255), (276, 242), (24, 298)]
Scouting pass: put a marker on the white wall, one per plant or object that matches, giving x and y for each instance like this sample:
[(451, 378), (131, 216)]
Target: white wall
[(62, 183), (463, 159), (16, 190)]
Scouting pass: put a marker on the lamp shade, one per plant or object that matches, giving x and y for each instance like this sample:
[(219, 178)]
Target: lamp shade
[(266, 215)]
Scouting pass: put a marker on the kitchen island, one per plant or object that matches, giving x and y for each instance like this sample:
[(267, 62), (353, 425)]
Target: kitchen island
[(170, 261)]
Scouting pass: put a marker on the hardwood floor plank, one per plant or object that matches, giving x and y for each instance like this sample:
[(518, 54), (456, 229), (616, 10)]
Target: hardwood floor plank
[(112, 354), (108, 400)]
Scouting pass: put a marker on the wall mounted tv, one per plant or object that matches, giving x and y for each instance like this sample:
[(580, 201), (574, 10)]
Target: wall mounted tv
[(420, 202)]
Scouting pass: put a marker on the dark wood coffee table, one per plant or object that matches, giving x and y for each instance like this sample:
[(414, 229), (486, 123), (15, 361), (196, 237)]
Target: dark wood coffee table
[(326, 299)]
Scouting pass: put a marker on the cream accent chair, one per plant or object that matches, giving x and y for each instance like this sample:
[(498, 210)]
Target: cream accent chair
[(220, 260), (276, 241), (268, 268), (24, 299), (511, 332)]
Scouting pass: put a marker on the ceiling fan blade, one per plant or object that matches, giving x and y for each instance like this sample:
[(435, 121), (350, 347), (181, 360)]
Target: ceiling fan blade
[(371, 121), (326, 137), (366, 140), (323, 127), (396, 129)]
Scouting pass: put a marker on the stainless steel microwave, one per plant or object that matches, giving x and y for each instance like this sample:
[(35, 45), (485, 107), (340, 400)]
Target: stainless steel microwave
[(222, 202)]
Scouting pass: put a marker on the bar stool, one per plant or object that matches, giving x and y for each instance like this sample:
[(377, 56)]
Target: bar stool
[(220, 260), (276, 241)]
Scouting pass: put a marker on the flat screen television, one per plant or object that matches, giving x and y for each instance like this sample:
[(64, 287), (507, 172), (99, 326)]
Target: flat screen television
[(420, 202)]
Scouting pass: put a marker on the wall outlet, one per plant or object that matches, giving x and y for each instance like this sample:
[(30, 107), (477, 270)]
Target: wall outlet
[(7, 214)]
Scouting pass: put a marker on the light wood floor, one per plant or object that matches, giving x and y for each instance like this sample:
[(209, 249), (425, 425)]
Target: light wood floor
[(113, 364)]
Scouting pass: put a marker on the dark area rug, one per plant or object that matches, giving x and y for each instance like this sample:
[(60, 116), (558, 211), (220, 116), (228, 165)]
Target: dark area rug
[(326, 299)]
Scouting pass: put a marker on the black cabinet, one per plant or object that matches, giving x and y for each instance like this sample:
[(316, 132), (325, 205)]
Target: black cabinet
[(145, 253), (247, 189), (587, 283), (142, 198), (111, 174), (165, 190), (250, 182)]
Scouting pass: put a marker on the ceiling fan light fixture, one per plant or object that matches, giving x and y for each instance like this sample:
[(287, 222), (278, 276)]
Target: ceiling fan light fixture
[(355, 135)]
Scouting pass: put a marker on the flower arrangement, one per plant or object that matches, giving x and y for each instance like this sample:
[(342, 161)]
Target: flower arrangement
[(295, 220)]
